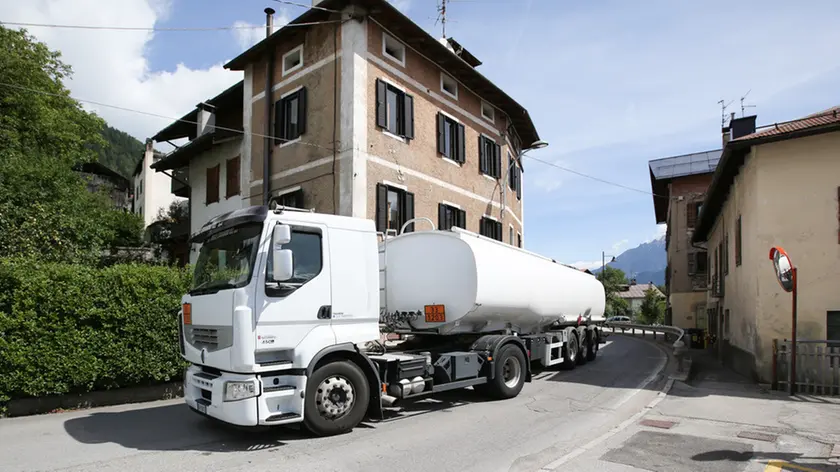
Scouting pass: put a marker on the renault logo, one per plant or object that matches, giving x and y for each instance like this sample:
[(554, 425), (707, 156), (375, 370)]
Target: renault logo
[(203, 351)]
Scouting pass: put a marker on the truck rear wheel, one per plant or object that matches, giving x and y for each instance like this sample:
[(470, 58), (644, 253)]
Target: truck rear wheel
[(583, 353), (509, 373), (570, 350), (337, 397), (593, 345)]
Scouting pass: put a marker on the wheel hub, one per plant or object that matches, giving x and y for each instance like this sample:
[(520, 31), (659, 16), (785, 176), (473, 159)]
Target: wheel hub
[(335, 397), (511, 372)]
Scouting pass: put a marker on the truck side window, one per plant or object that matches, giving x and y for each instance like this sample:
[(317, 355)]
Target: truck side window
[(307, 255)]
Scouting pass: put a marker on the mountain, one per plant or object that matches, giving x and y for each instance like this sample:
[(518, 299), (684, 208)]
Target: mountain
[(646, 262), (121, 151)]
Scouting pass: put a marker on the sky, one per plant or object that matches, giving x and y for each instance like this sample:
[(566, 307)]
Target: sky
[(609, 84)]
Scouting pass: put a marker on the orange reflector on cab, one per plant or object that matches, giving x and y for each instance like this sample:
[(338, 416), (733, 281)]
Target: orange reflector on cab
[(384, 388), (187, 309)]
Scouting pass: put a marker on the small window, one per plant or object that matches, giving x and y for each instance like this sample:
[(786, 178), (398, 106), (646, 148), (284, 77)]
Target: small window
[(232, 177), (307, 254), (394, 207), (697, 262), (832, 325), (489, 157), (293, 199), (491, 228), (519, 240), (692, 212), (515, 176), (450, 138), (488, 112), (450, 216), (448, 85), (212, 188), (394, 110), (293, 60), (290, 117), (393, 49)]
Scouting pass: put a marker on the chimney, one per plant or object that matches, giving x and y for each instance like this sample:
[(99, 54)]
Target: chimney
[(269, 20), (205, 119), (742, 126), (725, 131), (632, 281)]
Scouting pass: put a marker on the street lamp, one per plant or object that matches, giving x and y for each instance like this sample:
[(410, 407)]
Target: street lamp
[(540, 144), (604, 263), (786, 274)]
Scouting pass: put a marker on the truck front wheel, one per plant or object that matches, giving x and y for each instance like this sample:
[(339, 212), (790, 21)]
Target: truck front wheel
[(337, 396), (510, 373)]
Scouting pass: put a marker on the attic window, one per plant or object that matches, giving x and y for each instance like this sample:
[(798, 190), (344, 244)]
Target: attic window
[(448, 85), (393, 49), (293, 60), (488, 112)]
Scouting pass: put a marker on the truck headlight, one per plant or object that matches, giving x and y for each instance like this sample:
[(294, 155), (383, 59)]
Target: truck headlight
[(239, 390)]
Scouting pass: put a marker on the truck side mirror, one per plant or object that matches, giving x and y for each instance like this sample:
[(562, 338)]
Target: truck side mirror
[(282, 260)]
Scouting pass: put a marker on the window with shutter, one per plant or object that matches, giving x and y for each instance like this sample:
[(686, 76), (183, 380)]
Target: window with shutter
[(726, 254), (290, 117), (450, 216), (290, 199), (212, 187), (491, 228), (519, 240), (738, 247), (232, 177), (394, 110), (450, 137), (490, 160), (394, 207), (692, 211)]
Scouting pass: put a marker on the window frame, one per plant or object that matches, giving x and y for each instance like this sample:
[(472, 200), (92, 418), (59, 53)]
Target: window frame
[(294, 193), (485, 144), (282, 292), (297, 49), (405, 109), (385, 40), (405, 202), (281, 126), (457, 150), (446, 78), (458, 216), (491, 117), (228, 165), (212, 173), (496, 231)]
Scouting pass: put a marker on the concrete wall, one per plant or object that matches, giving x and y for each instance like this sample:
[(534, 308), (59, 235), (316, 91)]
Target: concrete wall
[(157, 191), (416, 164), (688, 309), (786, 195), (200, 211)]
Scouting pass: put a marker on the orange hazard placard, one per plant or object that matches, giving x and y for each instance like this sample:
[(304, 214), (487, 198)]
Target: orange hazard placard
[(435, 313)]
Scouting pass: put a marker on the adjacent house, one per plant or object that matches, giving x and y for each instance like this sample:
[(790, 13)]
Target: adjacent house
[(634, 293), (679, 185), (774, 186), (152, 190), (100, 178), (361, 113)]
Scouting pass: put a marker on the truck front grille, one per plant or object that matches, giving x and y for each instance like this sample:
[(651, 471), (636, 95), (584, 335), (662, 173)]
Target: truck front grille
[(211, 338)]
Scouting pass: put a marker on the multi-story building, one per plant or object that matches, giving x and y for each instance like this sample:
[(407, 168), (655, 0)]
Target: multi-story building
[(363, 113), (777, 186), (679, 185), (152, 190)]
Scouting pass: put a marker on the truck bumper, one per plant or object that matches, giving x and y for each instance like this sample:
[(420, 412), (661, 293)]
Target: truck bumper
[(279, 398)]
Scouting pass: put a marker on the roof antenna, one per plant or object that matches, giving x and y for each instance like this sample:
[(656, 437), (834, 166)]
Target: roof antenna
[(723, 112), (742, 103), (442, 16)]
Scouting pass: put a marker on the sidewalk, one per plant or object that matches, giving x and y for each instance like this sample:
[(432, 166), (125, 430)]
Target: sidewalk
[(718, 421)]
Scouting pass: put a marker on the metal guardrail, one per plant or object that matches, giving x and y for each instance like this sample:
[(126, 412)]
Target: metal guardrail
[(679, 345)]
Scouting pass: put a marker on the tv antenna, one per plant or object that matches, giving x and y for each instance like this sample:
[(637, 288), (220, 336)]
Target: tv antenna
[(723, 112), (442, 16), (742, 103)]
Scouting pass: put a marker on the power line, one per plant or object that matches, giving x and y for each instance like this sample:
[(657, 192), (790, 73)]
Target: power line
[(141, 112), (140, 28), (258, 135)]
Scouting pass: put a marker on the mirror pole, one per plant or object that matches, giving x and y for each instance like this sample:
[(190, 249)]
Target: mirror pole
[(792, 383)]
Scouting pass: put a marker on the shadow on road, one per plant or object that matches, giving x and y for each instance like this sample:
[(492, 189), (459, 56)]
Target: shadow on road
[(172, 428)]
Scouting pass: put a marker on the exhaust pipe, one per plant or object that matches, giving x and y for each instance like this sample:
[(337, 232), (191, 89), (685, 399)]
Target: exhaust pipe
[(388, 400)]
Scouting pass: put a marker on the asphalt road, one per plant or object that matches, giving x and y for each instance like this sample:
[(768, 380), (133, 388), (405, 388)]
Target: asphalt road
[(456, 431)]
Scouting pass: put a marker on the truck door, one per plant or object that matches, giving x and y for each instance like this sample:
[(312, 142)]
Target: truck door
[(293, 316)]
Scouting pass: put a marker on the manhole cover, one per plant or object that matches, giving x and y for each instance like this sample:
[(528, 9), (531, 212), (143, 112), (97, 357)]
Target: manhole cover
[(668, 452)]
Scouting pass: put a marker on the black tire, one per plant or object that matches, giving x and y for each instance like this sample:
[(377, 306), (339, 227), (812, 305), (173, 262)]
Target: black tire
[(510, 371), (593, 346), (570, 351), (318, 416), (583, 338)]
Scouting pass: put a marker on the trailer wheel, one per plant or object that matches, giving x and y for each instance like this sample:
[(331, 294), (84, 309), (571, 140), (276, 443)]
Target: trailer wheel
[(510, 373), (593, 345), (583, 354), (570, 352), (337, 397)]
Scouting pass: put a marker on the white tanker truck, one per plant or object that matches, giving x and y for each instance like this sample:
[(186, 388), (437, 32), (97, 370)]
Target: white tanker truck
[(284, 319)]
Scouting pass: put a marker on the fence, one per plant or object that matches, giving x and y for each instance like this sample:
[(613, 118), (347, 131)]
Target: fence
[(817, 366)]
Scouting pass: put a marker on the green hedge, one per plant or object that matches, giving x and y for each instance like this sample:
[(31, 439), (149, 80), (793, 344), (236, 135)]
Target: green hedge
[(69, 328)]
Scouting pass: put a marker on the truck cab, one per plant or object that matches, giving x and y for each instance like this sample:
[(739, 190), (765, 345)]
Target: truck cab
[(273, 292)]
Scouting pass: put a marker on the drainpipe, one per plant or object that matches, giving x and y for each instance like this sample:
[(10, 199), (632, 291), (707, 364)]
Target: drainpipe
[(269, 79)]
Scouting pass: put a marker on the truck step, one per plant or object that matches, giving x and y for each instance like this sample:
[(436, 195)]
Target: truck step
[(281, 364), (279, 388), (281, 417)]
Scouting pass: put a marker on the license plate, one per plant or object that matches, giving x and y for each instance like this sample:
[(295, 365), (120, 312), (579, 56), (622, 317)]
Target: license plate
[(201, 408), (435, 313)]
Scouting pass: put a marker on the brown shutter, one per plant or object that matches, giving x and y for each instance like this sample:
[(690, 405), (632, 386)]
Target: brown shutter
[(381, 106), (212, 188), (461, 145), (408, 116), (441, 217), (381, 208), (441, 143), (482, 156), (497, 161), (462, 219), (232, 177), (408, 211)]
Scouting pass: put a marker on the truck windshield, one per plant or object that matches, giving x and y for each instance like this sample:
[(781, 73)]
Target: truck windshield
[(226, 260)]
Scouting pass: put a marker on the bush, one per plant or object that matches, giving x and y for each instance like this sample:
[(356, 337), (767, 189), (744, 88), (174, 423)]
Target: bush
[(70, 328)]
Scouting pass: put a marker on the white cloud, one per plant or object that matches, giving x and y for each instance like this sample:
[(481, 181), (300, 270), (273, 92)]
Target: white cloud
[(586, 264), (660, 233), (248, 34), (620, 245), (111, 66)]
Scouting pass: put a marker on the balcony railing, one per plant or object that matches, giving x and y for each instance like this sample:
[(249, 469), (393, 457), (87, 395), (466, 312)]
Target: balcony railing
[(717, 286)]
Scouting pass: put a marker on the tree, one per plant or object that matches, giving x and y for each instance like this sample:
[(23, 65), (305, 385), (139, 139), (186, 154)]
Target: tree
[(652, 310), (46, 210), (613, 279)]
